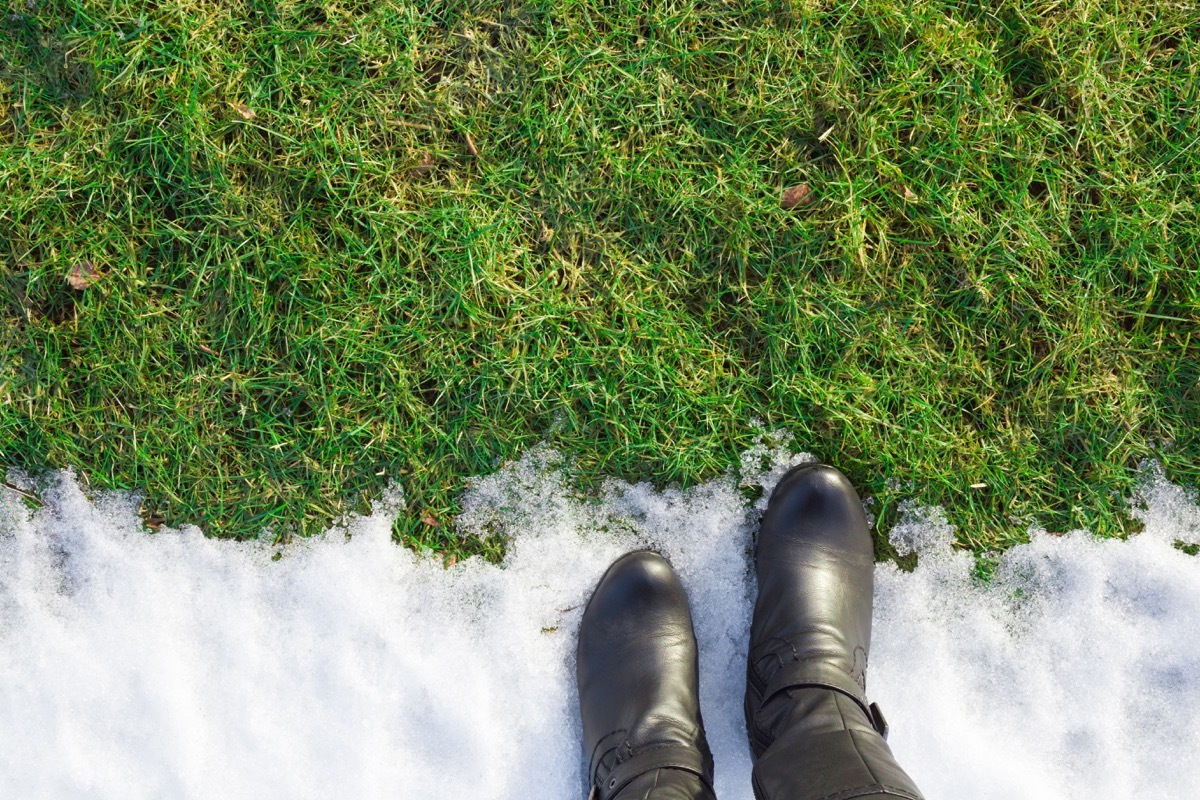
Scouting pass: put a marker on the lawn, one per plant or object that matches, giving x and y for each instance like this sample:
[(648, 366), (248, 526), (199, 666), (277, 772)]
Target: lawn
[(259, 259)]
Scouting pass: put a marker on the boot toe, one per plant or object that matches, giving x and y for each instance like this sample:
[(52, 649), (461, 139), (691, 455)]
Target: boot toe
[(814, 487), (637, 585), (817, 503)]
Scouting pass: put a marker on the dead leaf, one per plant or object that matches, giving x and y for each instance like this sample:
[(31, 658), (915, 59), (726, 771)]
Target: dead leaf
[(429, 519), (451, 561), (246, 111), (798, 195), (471, 148), (909, 194), (423, 167), (83, 274)]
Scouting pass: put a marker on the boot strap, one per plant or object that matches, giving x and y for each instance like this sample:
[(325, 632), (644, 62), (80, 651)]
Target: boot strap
[(798, 674), (670, 756)]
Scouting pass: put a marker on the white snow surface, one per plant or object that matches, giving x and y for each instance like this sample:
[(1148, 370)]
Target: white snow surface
[(168, 665)]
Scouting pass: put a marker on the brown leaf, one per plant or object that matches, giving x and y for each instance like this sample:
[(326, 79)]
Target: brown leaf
[(246, 111), (429, 519), (471, 148), (909, 194), (423, 167), (83, 274), (150, 519), (798, 195), (451, 561)]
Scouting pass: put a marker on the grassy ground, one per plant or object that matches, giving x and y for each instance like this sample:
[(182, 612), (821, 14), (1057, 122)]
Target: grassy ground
[(330, 244)]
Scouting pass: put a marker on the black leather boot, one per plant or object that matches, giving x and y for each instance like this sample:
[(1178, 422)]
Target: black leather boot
[(813, 734), (638, 694)]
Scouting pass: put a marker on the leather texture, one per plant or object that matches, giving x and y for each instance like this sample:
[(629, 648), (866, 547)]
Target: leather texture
[(636, 668), (812, 732)]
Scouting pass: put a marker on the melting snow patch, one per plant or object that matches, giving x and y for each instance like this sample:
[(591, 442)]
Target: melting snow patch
[(169, 665)]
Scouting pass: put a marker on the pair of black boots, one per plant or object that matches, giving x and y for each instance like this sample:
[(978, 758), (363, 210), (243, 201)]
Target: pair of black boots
[(812, 732)]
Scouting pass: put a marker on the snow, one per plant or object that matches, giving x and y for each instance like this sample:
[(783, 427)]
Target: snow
[(139, 665)]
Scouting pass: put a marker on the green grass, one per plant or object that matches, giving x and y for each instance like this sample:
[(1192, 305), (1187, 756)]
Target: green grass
[(996, 283)]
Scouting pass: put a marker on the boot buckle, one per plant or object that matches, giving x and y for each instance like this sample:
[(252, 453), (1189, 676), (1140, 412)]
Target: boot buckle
[(878, 721)]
